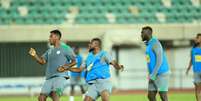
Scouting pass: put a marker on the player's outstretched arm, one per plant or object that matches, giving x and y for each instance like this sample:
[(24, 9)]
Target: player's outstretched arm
[(33, 53), (71, 64), (189, 66), (116, 65), (72, 69)]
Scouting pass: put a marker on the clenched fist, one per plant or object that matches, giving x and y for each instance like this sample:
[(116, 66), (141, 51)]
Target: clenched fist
[(62, 69)]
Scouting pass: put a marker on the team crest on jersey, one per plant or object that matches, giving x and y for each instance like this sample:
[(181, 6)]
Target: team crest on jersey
[(58, 52)]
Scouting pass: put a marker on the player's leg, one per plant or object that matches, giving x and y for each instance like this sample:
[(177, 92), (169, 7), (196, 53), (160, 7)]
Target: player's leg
[(105, 95), (71, 98), (198, 91), (72, 90), (163, 95), (105, 88), (92, 93), (162, 83), (152, 95), (152, 91), (59, 84), (197, 83), (82, 84), (73, 82), (42, 97), (54, 96), (88, 98), (45, 91), (82, 89)]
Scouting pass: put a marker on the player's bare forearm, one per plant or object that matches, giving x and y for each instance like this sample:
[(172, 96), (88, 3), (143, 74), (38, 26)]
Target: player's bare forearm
[(116, 65), (71, 64), (72, 69), (189, 66), (76, 69), (40, 60)]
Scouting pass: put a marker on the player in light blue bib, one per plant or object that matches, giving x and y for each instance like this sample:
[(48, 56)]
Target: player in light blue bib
[(54, 57), (157, 66), (195, 61), (98, 72)]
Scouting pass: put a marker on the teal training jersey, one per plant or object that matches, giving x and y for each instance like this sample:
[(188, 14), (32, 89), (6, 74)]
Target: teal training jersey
[(56, 57)]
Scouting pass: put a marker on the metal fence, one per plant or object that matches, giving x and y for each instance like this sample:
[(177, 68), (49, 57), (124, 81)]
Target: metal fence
[(15, 61)]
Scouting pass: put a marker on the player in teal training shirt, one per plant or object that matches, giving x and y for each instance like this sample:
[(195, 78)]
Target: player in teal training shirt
[(54, 57)]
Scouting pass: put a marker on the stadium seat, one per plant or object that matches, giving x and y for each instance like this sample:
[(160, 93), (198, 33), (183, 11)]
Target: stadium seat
[(94, 11)]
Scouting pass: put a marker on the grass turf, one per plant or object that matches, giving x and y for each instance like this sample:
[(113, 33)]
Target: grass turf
[(130, 97)]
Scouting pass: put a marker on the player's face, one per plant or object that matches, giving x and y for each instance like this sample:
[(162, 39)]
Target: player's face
[(93, 45), (144, 36), (53, 38), (198, 40)]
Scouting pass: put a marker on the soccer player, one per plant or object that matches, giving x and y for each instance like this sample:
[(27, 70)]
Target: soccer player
[(54, 57), (77, 78), (98, 72), (157, 66), (196, 62)]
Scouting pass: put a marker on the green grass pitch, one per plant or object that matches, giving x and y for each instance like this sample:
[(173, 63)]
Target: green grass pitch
[(131, 97)]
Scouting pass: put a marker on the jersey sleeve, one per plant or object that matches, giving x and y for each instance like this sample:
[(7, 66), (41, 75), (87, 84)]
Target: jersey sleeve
[(68, 52), (108, 58)]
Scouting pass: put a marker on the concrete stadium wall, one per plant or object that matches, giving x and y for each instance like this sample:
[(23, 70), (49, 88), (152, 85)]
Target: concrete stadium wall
[(35, 33)]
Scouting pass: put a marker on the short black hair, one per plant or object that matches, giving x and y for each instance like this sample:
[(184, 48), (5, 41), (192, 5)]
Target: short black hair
[(199, 34), (98, 40), (196, 44), (56, 32), (148, 29)]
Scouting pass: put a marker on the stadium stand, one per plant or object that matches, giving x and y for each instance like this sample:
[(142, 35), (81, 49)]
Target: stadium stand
[(96, 11)]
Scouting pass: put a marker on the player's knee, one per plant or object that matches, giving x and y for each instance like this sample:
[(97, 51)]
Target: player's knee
[(105, 99), (41, 98), (53, 94), (163, 96), (82, 89), (151, 96), (87, 98)]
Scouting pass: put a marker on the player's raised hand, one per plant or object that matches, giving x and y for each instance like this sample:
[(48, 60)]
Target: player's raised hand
[(121, 68), (32, 52)]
